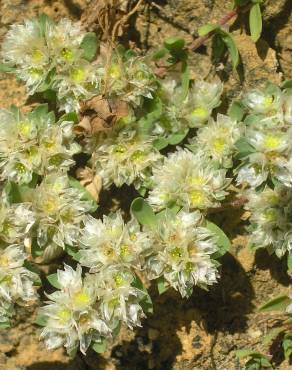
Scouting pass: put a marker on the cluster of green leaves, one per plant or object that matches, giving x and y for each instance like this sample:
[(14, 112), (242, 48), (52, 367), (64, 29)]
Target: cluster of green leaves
[(223, 41)]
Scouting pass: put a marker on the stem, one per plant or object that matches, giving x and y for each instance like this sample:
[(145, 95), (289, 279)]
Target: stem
[(201, 40), (227, 17)]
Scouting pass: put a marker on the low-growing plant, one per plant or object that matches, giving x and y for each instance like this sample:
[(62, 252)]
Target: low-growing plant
[(116, 121)]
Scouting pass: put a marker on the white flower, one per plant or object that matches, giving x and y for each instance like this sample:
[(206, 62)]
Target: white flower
[(263, 101), (111, 241), (16, 281), (194, 111), (217, 139), (182, 252), (16, 221), (59, 211), (120, 300), (187, 179), (287, 105), (271, 215), (271, 157), (130, 78), (77, 82), (34, 143), (126, 158), (72, 314)]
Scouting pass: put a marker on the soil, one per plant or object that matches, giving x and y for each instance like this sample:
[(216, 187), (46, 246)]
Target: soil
[(203, 332)]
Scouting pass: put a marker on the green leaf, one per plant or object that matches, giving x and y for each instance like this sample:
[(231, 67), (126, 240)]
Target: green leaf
[(36, 250), (40, 111), (185, 80), (244, 148), (100, 347), (174, 44), (243, 353), (70, 117), (143, 212), (4, 325), (272, 335), (236, 111), (218, 47), (159, 54), (222, 240), (162, 285), (287, 346), (89, 45), (41, 320), (53, 280), (277, 304), (255, 22), (231, 46), (289, 262), (252, 119), (153, 108), (73, 252), (160, 143), (5, 67), (44, 21), (287, 84), (85, 194), (177, 137), (146, 303), (207, 28)]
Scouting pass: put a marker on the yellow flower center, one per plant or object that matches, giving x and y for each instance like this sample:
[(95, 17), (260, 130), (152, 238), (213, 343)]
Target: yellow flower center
[(189, 267), (197, 198), (176, 252), (37, 56), (81, 298), (115, 71), (138, 155), (119, 280), (119, 149), (50, 205), (20, 168), (219, 145), (78, 75), (67, 54), (200, 112), (24, 128), (268, 100), (64, 315), (4, 261), (272, 142), (124, 250)]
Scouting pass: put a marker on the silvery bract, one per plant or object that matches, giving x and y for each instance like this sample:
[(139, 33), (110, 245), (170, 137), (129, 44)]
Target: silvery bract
[(16, 281), (182, 252), (271, 219), (187, 179), (34, 143)]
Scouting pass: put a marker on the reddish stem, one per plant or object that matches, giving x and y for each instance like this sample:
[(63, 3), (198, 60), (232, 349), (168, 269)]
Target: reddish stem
[(201, 40)]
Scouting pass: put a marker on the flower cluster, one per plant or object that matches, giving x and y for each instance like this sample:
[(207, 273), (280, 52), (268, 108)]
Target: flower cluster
[(192, 111), (48, 55), (182, 252), (271, 219), (34, 143), (125, 158), (84, 310), (189, 180), (60, 211), (218, 139), (16, 281), (72, 314), (268, 138), (131, 121)]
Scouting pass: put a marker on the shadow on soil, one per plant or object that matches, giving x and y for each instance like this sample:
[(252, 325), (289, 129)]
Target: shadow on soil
[(224, 308)]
